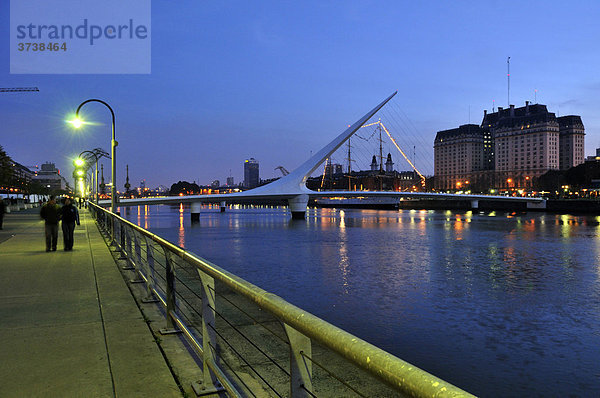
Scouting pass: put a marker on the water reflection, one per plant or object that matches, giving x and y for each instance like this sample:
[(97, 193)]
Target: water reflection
[(499, 297), (344, 260), (181, 240)]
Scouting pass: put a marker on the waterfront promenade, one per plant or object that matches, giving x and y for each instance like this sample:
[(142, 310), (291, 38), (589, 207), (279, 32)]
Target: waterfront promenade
[(69, 326)]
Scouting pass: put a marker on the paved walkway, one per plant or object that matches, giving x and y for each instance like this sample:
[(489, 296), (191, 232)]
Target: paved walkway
[(69, 326)]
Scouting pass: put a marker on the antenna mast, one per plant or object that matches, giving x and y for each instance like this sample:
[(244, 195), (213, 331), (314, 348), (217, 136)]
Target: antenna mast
[(508, 77)]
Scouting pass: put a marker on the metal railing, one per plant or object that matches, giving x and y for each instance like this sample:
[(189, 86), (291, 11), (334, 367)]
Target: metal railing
[(252, 342)]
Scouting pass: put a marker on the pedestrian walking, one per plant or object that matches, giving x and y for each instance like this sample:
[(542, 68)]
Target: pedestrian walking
[(69, 216), (51, 214), (2, 211)]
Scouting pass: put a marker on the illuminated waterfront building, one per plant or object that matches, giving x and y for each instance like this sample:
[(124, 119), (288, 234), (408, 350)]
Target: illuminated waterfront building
[(511, 149), (463, 158), (571, 142)]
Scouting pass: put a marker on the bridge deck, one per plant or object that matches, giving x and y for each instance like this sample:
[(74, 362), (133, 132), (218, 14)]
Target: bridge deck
[(68, 323)]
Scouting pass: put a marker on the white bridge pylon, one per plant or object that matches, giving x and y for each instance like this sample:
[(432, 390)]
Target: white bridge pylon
[(292, 187)]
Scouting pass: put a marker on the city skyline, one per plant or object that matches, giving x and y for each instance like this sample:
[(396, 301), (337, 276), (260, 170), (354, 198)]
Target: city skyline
[(275, 82)]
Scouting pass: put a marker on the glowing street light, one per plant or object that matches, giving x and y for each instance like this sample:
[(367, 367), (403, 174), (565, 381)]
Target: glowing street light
[(79, 162), (77, 122), (96, 154)]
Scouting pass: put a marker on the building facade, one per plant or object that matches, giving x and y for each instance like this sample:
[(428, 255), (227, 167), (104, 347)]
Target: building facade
[(571, 142), (463, 158), (49, 177), (251, 173), (510, 149), (525, 143)]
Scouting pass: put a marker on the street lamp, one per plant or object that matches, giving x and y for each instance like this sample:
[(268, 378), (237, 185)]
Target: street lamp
[(78, 174), (96, 154), (77, 123), (81, 161)]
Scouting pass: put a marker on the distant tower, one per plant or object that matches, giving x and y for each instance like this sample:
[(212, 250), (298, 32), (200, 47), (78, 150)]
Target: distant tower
[(389, 165), (251, 173), (102, 184), (374, 163), (127, 184)]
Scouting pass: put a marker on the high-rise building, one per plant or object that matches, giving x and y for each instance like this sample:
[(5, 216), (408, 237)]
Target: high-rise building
[(570, 141), (251, 174), (525, 143), (230, 181), (461, 156), (510, 149)]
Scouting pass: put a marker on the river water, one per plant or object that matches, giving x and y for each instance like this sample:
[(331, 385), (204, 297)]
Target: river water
[(500, 304)]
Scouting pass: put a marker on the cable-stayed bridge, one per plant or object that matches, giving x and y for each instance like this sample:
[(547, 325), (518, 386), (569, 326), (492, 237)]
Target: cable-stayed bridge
[(292, 187)]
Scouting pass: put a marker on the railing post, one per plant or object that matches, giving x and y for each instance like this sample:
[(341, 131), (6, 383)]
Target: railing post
[(300, 367), (209, 383), (170, 290), (138, 259), (122, 233), (121, 246), (151, 278), (112, 230), (126, 251)]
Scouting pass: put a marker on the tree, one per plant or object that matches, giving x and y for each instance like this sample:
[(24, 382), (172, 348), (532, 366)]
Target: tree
[(185, 188), (7, 175)]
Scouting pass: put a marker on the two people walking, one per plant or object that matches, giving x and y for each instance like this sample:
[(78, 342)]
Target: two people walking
[(52, 213)]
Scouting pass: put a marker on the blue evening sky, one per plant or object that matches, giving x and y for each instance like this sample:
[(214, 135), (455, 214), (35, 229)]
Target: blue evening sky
[(275, 80)]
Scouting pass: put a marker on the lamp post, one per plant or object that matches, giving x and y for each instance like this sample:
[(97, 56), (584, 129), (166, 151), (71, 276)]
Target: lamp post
[(113, 150), (78, 173), (94, 173), (96, 154)]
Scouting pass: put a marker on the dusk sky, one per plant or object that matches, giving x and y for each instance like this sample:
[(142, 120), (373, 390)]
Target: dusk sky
[(277, 80)]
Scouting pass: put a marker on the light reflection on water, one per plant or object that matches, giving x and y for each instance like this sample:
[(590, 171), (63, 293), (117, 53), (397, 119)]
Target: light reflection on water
[(499, 304)]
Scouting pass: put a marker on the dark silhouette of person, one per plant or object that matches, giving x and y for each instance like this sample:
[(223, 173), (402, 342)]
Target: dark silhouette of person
[(50, 212), (69, 216)]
